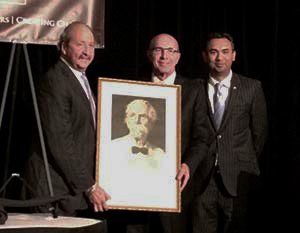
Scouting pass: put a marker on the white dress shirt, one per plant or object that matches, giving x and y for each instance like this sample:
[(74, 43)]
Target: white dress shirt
[(168, 81), (225, 88), (78, 75)]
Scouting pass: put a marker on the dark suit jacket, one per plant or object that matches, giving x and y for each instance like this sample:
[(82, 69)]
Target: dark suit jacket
[(193, 120), (194, 145), (241, 136), (194, 134), (69, 137)]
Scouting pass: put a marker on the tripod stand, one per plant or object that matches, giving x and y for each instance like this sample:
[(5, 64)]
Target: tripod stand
[(36, 111)]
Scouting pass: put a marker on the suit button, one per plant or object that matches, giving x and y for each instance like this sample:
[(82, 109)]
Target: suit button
[(219, 136)]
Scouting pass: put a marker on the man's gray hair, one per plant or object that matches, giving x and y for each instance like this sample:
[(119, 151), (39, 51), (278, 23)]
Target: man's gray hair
[(151, 112), (65, 35)]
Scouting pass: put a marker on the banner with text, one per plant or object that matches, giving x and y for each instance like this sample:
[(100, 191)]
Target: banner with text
[(42, 21)]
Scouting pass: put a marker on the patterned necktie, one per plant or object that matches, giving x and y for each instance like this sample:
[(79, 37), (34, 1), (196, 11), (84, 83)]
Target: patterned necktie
[(219, 105), (90, 96)]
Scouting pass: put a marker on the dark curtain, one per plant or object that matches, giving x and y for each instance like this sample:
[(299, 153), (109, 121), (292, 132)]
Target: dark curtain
[(267, 41)]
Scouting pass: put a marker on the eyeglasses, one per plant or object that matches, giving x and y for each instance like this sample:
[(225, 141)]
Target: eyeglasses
[(159, 50)]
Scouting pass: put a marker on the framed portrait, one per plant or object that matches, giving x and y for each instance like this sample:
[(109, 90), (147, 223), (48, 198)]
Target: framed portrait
[(138, 144)]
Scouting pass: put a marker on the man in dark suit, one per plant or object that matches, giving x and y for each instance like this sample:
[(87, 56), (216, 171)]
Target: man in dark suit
[(67, 110), (164, 54), (238, 121)]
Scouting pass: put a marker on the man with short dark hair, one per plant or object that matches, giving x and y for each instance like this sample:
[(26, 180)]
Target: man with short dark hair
[(238, 121)]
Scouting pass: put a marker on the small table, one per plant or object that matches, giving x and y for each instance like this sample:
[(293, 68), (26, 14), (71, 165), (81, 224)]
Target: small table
[(45, 223)]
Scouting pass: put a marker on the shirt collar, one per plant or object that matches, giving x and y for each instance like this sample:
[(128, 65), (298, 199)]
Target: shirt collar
[(77, 73), (225, 82), (169, 80)]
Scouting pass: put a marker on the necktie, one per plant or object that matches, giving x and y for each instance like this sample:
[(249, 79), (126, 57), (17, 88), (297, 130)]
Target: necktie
[(142, 150), (219, 105), (90, 96)]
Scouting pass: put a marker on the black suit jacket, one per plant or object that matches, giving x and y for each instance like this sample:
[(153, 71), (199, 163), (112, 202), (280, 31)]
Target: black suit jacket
[(194, 146), (69, 137), (194, 133), (240, 139)]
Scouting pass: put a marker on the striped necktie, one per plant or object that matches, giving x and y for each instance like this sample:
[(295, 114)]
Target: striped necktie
[(219, 105), (90, 96)]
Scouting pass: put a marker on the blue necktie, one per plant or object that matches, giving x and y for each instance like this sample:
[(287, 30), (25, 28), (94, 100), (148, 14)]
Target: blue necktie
[(90, 97), (219, 105)]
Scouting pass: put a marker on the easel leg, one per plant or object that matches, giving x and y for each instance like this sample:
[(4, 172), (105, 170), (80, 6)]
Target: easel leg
[(12, 111), (11, 59), (37, 115)]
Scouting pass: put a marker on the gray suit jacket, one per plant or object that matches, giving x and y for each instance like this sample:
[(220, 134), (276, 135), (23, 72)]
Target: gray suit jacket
[(241, 136), (69, 137)]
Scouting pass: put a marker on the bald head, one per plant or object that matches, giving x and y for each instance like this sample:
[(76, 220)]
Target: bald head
[(163, 39), (163, 53)]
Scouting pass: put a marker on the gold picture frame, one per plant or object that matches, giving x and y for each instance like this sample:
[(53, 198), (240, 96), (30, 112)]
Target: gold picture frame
[(132, 115)]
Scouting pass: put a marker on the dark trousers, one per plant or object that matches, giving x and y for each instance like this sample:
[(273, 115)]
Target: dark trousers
[(179, 222), (215, 211), (123, 221)]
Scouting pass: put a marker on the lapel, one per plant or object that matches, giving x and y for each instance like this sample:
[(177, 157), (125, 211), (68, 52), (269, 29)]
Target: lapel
[(76, 87), (230, 102), (210, 112), (178, 80), (231, 99), (73, 82)]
